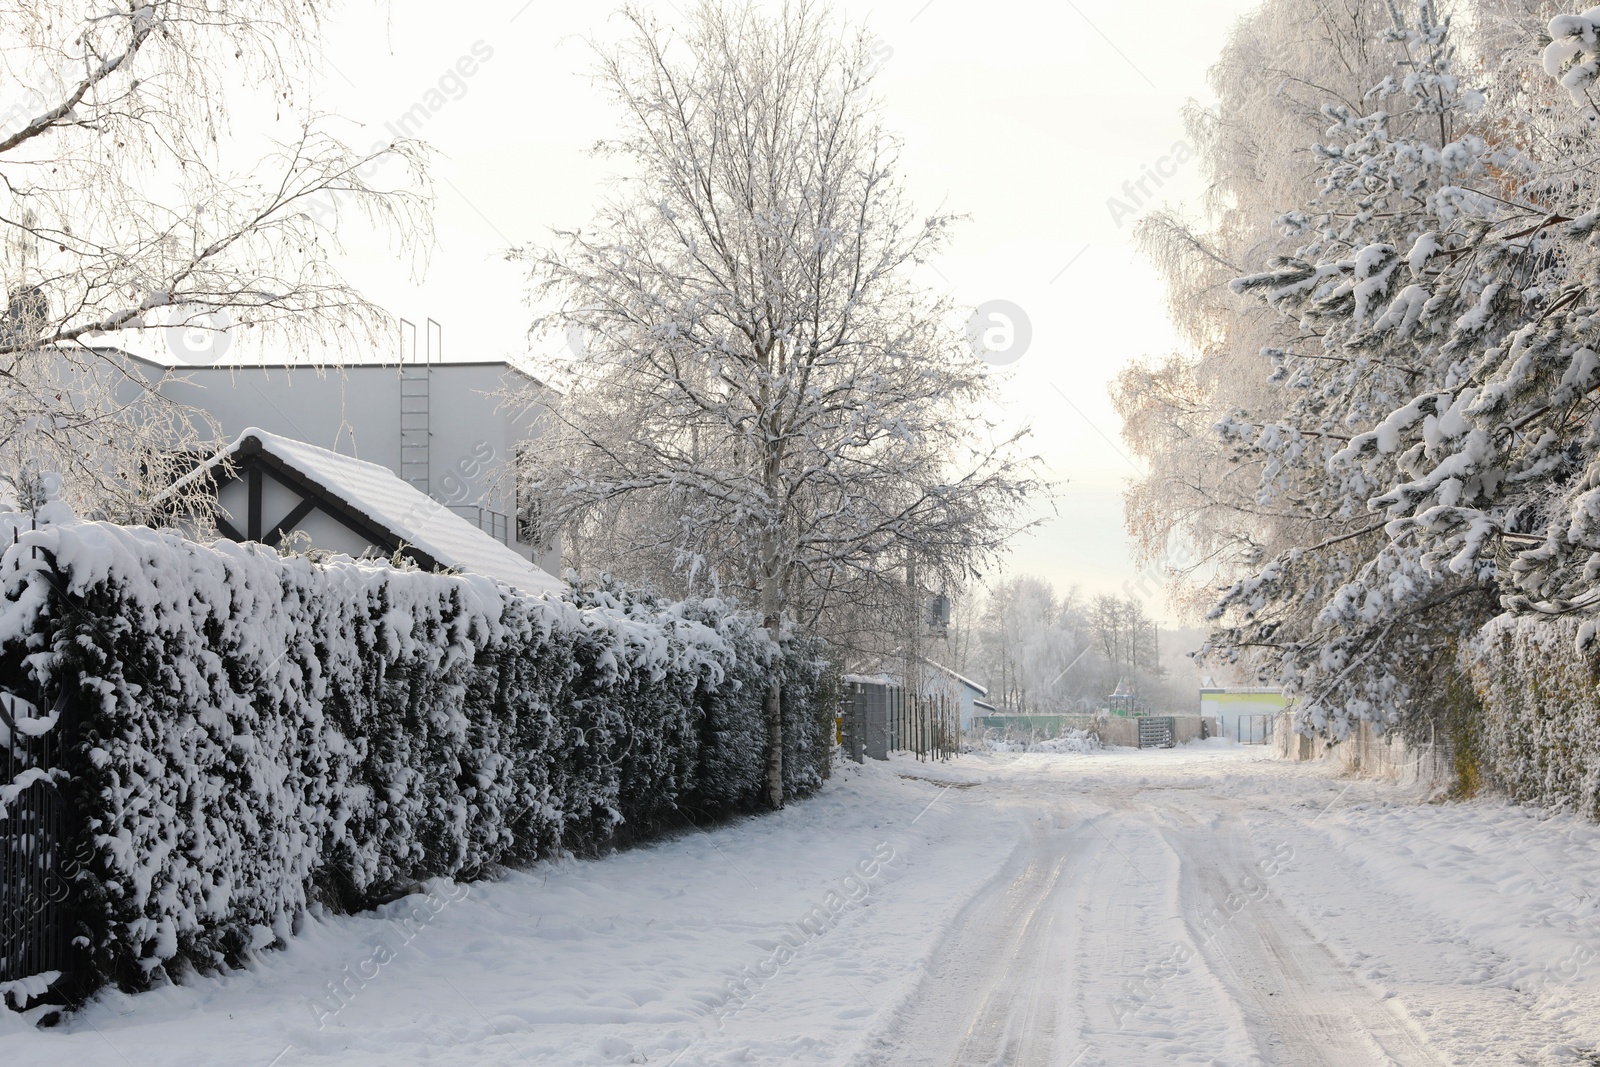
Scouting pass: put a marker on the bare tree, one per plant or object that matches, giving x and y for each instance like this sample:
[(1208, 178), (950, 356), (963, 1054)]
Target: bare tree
[(768, 405), (1126, 637), (126, 202)]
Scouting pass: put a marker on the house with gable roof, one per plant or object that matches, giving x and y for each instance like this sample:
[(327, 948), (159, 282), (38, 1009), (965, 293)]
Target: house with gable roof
[(409, 454), (268, 488)]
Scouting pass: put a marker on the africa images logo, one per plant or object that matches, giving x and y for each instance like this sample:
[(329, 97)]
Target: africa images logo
[(199, 336), (999, 332)]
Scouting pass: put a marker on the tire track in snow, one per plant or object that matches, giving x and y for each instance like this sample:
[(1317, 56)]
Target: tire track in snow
[(1302, 1007), (1145, 994), (1402, 940), (1033, 970), (992, 992), (1036, 968)]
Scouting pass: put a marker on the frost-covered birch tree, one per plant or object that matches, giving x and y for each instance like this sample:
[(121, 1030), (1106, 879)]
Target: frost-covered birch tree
[(768, 404), (1027, 638), (127, 201), (1196, 514)]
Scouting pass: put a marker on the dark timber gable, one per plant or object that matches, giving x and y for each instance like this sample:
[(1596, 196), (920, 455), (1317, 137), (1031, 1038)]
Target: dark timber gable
[(251, 464)]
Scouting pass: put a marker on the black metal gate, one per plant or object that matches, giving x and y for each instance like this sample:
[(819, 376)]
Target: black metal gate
[(35, 936), (1158, 731)]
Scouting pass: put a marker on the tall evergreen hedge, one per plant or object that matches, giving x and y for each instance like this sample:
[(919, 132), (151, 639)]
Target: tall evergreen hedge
[(1537, 738), (256, 734)]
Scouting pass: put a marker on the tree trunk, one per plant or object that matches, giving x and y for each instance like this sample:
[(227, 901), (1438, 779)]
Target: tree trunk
[(772, 618), (775, 739), (773, 604)]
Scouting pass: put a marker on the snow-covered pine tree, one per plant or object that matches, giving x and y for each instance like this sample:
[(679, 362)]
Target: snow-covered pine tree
[(1446, 276), (1358, 619), (1195, 514), (767, 404)]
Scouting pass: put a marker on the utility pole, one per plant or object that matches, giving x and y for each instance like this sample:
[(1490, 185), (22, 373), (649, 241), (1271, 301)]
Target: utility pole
[(913, 643)]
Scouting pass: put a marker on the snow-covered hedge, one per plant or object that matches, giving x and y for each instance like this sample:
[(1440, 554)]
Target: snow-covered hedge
[(259, 734), (1537, 732)]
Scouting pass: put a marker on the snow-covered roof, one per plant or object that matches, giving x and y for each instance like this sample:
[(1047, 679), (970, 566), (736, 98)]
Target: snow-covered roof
[(160, 359), (961, 679), (393, 504), (981, 690), (889, 677)]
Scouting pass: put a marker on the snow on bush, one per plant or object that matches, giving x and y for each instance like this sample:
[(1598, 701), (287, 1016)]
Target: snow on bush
[(1077, 741), (257, 734), (1538, 730)]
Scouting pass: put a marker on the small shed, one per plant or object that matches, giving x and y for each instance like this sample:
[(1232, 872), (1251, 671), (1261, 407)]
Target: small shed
[(940, 680), (1244, 712)]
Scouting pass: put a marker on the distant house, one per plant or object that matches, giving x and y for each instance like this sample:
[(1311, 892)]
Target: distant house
[(271, 488), (1235, 706), (444, 428), (942, 681)]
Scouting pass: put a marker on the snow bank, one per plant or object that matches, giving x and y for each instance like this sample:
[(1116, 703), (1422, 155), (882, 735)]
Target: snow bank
[(259, 735)]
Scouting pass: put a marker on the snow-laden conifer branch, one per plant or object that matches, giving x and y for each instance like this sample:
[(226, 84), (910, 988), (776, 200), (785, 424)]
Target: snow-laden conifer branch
[(1442, 272)]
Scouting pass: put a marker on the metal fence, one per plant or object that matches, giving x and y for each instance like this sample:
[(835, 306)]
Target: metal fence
[(1254, 729), (34, 927), (879, 719), (35, 922), (1033, 727), (497, 524)]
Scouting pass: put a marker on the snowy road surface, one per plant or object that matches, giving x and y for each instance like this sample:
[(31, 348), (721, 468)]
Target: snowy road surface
[(1196, 906)]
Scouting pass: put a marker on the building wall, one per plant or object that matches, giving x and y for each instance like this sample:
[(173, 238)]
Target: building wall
[(354, 411), (1239, 709)]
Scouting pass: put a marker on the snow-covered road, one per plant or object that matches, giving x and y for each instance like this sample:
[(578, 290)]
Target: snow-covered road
[(1204, 905)]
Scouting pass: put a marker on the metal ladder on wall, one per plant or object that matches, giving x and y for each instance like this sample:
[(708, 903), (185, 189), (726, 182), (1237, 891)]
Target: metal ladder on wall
[(416, 434)]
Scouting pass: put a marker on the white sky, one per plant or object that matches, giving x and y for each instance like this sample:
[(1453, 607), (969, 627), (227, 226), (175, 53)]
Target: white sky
[(1024, 116)]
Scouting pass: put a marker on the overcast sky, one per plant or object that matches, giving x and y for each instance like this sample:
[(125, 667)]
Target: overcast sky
[(1027, 117)]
